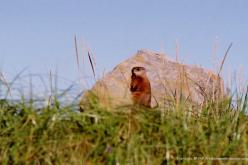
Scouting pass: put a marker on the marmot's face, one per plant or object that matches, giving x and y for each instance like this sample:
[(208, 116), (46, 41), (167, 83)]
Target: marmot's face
[(138, 71)]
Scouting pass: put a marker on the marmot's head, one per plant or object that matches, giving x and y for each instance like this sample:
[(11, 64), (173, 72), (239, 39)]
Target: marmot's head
[(138, 71)]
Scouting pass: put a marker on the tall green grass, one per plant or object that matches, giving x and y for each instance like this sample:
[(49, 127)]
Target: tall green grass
[(57, 134)]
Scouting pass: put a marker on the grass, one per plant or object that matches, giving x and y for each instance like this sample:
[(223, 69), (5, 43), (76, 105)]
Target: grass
[(58, 134)]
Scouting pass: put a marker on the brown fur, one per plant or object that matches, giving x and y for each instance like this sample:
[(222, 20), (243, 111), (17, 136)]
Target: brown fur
[(140, 87)]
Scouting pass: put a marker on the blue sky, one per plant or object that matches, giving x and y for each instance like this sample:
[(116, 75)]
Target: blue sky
[(39, 35)]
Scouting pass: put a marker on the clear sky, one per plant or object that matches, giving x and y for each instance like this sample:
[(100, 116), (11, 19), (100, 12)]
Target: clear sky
[(39, 35)]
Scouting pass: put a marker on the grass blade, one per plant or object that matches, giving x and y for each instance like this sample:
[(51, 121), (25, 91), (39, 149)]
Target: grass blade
[(3, 79), (92, 65), (76, 48), (222, 62)]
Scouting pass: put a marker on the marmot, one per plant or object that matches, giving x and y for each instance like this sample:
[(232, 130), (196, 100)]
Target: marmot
[(140, 87)]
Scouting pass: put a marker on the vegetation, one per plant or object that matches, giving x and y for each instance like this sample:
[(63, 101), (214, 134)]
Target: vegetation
[(57, 134), (183, 133)]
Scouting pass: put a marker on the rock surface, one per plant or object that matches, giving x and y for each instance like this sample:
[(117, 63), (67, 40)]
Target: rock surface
[(170, 81)]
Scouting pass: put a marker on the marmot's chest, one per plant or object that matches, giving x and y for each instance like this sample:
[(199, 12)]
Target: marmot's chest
[(141, 84)]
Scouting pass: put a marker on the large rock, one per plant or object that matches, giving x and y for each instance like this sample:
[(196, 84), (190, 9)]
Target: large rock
[(170, 82)]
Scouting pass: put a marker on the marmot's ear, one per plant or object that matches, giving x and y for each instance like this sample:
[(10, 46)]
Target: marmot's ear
[(132, 71)]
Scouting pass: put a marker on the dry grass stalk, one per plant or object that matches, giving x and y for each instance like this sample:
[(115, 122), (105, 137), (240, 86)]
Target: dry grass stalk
[(177, 50), (92, 65), (178, 80), (214, 54), (76, 48), (2, 78), (223, 60), (51, 88), (124, 78)]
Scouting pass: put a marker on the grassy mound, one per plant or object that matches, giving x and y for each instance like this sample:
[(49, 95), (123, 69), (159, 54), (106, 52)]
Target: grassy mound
[(128, 135)]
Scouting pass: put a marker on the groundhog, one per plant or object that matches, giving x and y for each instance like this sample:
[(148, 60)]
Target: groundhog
[(140, 87)]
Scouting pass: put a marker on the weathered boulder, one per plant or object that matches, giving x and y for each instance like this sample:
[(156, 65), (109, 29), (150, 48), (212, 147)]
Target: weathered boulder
[(170, 81)]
